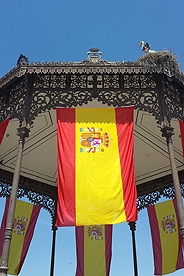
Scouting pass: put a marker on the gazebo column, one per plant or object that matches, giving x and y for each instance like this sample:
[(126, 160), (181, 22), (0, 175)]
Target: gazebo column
[(167, 132), (23, 133), (133, 228), (54, 229)]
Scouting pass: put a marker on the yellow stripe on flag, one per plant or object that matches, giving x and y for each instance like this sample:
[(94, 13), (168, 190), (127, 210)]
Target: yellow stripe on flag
[(169, 237), (25, 209), (94, 250), (98, 173)]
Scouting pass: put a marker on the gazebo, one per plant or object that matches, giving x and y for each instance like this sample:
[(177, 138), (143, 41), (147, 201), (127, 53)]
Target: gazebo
[(30, 93)]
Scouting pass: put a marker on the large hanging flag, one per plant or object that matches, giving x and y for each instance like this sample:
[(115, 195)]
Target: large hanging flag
[(181, 124), (96, 180), (166, 239), (25, 218), (3, 127), (94, 250)]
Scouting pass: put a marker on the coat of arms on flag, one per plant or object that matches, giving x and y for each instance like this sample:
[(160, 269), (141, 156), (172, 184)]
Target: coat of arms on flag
[(166, 238), (95, 232), (25, 218), (94, 139), (169, 223)]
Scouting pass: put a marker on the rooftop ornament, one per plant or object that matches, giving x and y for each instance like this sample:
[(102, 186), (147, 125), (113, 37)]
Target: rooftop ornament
[(22, 60), (94, 55)]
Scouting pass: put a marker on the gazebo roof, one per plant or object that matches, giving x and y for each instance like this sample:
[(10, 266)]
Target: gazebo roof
[(93, 82), (159, 62)]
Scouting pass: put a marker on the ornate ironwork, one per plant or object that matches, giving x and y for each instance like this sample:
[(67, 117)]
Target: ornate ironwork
[(13, 101), (37, 192), (68, 84), (150, 193), (173, 99), (50, 91)]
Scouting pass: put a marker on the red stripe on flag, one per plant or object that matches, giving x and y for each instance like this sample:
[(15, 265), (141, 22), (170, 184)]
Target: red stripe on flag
[(66, 211), (3, 127), (3, 225), (79, 232), (29, 234), (156, 242), (182, 134), (126, 152), (180, 254), (108, 247)]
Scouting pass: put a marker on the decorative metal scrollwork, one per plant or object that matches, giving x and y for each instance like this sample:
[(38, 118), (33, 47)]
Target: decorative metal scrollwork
[(173, 100), (5, 189), (78, 81), (150, 193), (41, 81), (147, 199), (111, 81), (169, 192), (16, 102), (37, 193), (49, 81), (67, 90), (147, 81), (144, 100), (48, 99), (138, 81), (131, 81), (58, 81)]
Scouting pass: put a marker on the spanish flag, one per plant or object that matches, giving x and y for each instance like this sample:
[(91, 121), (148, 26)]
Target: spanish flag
[(25, 218), (3, 127), (166, 239), (96, 180), (94, 250)]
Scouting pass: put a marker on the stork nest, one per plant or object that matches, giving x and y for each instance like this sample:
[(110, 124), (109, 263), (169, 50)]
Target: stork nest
[(160, 59)]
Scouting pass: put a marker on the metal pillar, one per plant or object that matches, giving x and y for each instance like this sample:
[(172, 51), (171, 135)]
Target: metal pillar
[(23, 133), (133, 228), (54, 229), (167, 132)]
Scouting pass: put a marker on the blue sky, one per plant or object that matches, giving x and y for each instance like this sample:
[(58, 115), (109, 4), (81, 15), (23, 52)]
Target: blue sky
[(65, 30), (60, 30)]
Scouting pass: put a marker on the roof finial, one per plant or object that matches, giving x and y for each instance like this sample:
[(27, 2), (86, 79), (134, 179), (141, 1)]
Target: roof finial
[(94, 55), (22, 60)]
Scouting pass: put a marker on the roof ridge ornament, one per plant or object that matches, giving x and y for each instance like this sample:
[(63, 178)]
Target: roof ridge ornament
[(94, 55), (22, 60)]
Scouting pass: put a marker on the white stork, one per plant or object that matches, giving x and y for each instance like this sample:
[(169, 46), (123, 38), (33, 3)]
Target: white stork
[(145, 47)]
